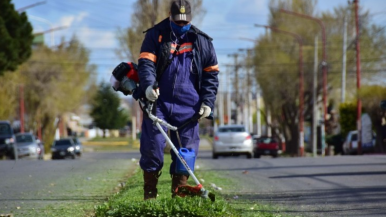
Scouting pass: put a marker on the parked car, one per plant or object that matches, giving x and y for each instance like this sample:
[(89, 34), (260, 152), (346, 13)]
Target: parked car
[(63, 148), (266, 146), (350, 145), (27, 146), (78, 146), (232, 140), (7, 139)]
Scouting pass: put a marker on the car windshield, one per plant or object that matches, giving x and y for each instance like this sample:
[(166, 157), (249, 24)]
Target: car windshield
[(231, 129), (267, 140), (64, 142), (5, 129), (24, 138)]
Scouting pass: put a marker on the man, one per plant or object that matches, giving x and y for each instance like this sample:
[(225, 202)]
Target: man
[(182, 60)]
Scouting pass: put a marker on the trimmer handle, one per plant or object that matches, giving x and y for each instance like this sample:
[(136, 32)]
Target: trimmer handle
[(155, 85), (194, 118)]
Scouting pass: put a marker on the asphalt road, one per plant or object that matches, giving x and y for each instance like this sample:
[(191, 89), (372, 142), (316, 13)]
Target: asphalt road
[(323, 186), (50, 187)]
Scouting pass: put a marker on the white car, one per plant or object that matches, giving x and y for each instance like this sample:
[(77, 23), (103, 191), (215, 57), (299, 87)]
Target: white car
[(28, 146), (232, 140), (350, 145)]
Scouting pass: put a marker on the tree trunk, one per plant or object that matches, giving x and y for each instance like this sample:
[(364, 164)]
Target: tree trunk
[(104, 133), (291, 126)]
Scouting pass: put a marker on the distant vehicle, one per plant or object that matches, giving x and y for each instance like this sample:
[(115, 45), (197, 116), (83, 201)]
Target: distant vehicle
[(350, 145), (63, 148), (78, 146), (27, 146), (266, 146), (232, 140), (7, 139)]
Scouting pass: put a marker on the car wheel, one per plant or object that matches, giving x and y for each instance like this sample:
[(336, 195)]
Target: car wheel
[(249, 155), (214, 156), (256, 156)]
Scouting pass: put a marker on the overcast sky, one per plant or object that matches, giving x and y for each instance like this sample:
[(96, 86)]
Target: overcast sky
[(95, 22)]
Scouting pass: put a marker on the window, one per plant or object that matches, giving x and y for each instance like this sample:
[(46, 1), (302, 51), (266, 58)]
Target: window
[(5, 129), (231, 130), (63, 142), (24, 138)]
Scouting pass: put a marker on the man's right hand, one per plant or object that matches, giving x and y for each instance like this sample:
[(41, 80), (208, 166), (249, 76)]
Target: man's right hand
[(151, 94)]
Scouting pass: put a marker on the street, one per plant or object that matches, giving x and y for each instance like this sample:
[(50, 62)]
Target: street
[(46, 188), (323, 186)]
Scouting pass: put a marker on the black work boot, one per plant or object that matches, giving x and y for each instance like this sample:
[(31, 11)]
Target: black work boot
[(178, 180), (150, 180)]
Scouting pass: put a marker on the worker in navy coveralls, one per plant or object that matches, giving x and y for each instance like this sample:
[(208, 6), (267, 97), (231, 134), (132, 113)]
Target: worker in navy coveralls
[(187, 86)]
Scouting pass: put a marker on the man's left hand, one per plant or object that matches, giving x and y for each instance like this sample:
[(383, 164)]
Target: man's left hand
[(204, 111)]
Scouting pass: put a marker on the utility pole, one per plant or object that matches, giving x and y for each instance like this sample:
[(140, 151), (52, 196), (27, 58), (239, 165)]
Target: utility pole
[(229, 101), (258, 115), (314, 99), (343, 93), (236, 86), (358, 63), (221, 101), (21, 92)]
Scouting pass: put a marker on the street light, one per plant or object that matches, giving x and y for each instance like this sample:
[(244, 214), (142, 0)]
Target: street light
[(47, 22), (301, 79), (324, 56), (358, 64)]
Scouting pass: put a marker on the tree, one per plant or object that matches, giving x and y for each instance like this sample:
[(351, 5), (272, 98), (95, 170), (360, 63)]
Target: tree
[(106, 110), (348, 117), (55, 82), (148, 13), (9, 90), (15, 37)]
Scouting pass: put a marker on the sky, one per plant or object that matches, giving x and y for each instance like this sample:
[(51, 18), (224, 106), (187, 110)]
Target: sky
[(96, 22)]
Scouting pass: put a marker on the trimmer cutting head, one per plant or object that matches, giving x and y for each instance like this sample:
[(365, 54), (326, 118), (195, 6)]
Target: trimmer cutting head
[(198, 190)]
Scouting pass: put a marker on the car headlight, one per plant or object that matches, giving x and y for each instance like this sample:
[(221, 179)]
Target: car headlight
[(70, 149), (9, 141), (77, 147)]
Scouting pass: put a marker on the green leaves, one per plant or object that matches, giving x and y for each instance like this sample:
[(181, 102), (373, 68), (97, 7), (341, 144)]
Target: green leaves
[(15, 37), (106, 110)]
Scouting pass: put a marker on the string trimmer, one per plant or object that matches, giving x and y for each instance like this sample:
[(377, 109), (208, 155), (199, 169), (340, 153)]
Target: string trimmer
[(182, 190)]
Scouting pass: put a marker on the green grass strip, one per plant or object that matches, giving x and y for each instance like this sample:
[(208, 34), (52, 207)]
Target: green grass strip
[(129, 201)]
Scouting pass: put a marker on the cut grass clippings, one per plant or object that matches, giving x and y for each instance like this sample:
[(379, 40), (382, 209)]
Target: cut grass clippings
[(129, 201)]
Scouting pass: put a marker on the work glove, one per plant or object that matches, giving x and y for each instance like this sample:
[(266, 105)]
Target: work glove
[(204, 111), (151, 94)]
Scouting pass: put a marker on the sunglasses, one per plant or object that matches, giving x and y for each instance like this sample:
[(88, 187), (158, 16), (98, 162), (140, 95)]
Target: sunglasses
[(181, 22)]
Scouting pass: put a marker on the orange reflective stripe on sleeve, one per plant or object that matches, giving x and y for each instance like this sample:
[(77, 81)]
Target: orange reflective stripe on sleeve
[(149, 56), (212, 69)]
